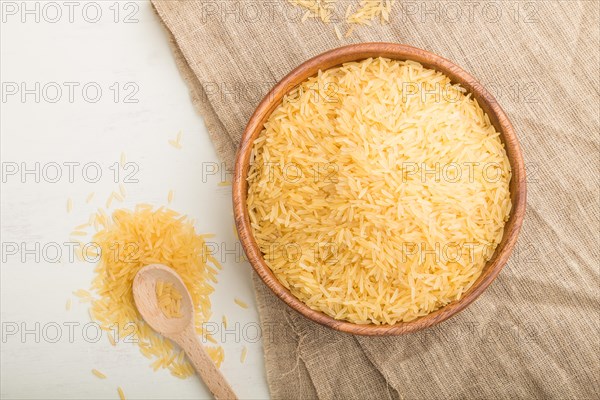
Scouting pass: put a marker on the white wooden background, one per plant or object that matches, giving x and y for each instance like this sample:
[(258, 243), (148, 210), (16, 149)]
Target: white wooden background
[(38, 48)]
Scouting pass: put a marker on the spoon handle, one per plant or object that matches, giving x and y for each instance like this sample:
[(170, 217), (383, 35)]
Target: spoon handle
[(204, 366)]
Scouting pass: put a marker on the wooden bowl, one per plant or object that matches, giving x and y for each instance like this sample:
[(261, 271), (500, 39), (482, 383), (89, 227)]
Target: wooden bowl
[(358, 52)]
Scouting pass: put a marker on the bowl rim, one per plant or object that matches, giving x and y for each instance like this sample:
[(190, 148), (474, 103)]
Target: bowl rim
[(358, 52)]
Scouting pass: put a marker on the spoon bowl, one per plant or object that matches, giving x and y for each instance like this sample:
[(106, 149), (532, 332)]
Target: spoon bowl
[(144, 293)]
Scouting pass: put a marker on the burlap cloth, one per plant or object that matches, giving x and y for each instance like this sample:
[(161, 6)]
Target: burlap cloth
[(535, 333)]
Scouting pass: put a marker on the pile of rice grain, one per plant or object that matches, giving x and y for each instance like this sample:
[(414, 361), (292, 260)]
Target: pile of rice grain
[(322, 9), (362, 12), (345, 203), (369, 10), (131, 240)]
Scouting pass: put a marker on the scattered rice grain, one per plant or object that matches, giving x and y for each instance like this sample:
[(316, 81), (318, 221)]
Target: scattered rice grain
[(109, 200), (243, 355), (118, 196), (240, 303), (98, 374), (337, 32)]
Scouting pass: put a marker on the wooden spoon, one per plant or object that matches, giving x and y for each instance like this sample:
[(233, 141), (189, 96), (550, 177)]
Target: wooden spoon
[(180, 330)]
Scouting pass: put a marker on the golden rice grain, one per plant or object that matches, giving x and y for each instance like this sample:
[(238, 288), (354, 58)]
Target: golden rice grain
[(177, 141), (78, 255), (91, 252), (305, 16), (211, 338), (338, 34), (118, 196), (89, 198), (82, 294), (98, 374), (349, 32), (240, 303), (121, 394), (170, 196), (243, 355), (109, 200), (69, 204)]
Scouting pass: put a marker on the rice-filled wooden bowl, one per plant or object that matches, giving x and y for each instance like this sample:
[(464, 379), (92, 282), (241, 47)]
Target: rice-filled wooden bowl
[(379, 189)]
